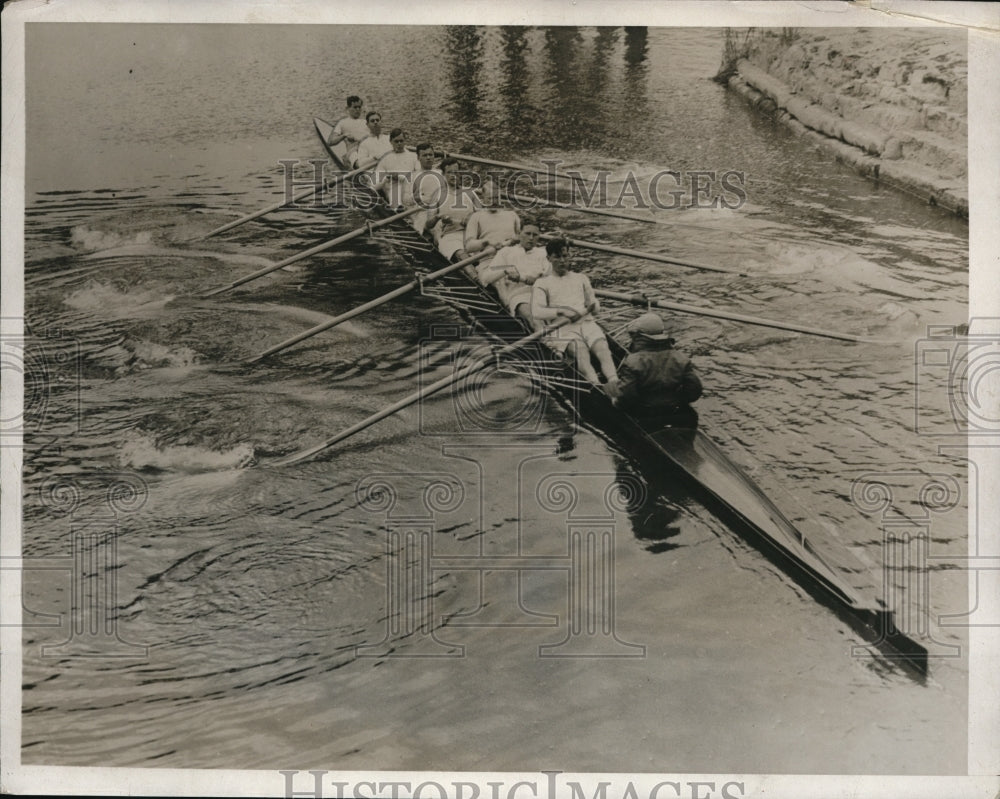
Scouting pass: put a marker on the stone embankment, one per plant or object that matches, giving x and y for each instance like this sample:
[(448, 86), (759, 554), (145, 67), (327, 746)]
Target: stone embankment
[(892, 103)]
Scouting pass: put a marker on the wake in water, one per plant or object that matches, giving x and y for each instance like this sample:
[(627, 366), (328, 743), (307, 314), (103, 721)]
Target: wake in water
[(87, 239), (110, 302), (140, 452)]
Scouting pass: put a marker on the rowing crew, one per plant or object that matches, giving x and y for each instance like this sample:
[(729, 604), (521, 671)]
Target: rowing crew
[(535, 285), (654, 380)]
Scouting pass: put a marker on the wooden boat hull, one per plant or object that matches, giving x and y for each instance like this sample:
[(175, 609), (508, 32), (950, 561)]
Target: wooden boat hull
[(687, 452)]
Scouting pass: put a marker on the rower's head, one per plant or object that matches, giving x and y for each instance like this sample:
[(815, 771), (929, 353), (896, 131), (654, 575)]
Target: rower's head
[(374, 120), (397, 139), (529, 236), (354, 106), (425, 155), (557, 252), (449, 166)]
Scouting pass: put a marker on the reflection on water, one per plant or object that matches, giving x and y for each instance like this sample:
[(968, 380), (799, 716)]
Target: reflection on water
[(655, 513), (634, 96), (521, 114), (464, 52), (567, 114)]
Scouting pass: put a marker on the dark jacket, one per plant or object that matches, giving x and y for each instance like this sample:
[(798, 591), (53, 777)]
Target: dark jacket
[(655, 378)]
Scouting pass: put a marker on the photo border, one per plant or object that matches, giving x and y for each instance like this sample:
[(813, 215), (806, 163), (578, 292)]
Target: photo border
[(982, 21)]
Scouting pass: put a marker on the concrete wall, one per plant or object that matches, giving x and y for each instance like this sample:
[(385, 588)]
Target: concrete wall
[(892, 103)]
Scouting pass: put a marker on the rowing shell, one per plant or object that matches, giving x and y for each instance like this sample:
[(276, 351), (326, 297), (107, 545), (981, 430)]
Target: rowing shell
[(681, 448)]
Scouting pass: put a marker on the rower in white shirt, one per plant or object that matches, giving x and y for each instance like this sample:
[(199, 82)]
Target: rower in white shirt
[(568, 295), (513, 271), (458, 202), (392, 175), (426, 187), (493, 225), (376, 143), (350, 129)]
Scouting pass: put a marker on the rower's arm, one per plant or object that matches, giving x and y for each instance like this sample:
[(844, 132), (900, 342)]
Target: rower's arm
[(541, 311), (471, 230), (496, 270), (590, 300)]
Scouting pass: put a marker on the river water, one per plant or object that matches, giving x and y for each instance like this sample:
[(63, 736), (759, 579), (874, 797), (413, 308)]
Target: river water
[(254, 620)]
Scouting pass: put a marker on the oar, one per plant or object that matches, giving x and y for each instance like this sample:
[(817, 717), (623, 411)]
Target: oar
[(639, 299), (649, 256), (399, 292), (475, 159), (416, 396), (530, 199), (313, 250), (307, 193)]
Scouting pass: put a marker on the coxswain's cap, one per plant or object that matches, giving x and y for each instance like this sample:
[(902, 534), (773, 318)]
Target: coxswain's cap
[(649, 327), (649, 324)]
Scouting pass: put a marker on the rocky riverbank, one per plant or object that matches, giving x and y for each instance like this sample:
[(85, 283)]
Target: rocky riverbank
[(892, 103)]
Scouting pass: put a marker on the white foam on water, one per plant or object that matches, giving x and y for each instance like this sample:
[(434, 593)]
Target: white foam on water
[(88, 239), (141, 452), (306, 316), (153, 355), (155, 251), (111, 302)]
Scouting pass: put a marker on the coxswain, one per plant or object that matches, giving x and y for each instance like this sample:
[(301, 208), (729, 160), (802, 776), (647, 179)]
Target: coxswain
[(514, 270), (655, 380), (350, 129), (567, 294), (376, 143)]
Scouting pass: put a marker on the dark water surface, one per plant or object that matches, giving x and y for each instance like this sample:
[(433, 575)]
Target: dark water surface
[(253, 587)]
